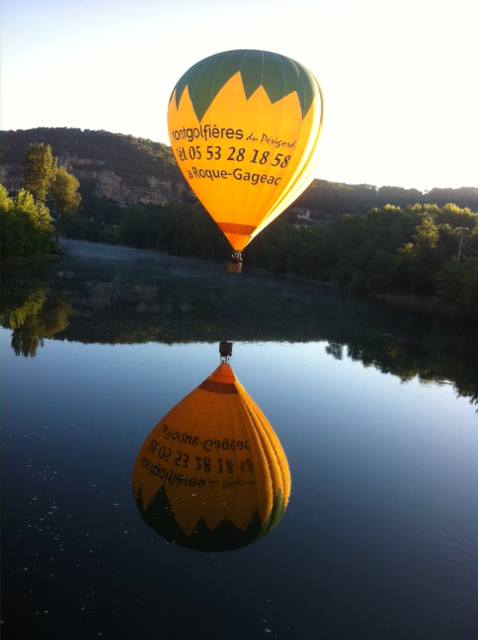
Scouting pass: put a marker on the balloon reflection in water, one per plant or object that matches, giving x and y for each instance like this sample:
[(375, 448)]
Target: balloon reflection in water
[(212, 475)]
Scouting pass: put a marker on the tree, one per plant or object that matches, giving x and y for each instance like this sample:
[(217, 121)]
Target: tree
[(448, 281), (469, 293), (25, 225), (6, 203), (426, 236), (39, 170), (64, 191)]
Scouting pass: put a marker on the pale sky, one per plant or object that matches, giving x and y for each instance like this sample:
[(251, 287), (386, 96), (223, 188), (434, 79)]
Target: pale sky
[(399, 78)]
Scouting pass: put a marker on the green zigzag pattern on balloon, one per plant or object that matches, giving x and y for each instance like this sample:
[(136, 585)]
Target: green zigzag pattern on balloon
[(279, 76), (225, 537)]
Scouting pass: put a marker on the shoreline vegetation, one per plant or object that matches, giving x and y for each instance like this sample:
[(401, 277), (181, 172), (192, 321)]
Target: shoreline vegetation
[(435, 271), (109, 295), (421, 256)]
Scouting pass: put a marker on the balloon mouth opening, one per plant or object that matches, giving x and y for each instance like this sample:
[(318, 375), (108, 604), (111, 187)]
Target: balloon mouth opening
[(234, 264)]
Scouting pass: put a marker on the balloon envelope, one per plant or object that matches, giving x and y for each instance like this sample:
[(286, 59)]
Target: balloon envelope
[(212, 474), (244, 127)]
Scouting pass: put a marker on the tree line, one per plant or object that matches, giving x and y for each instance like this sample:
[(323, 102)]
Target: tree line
[(422, 249), (328, 199)]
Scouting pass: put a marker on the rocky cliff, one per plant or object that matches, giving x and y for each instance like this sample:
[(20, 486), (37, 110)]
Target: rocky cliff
[(123, 169), (105, 183)]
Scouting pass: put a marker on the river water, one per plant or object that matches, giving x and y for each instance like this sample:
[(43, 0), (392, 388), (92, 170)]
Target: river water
[(375, 411)]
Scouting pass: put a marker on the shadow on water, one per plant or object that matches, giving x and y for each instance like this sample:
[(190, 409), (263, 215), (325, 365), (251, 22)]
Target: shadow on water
[(112, 295)]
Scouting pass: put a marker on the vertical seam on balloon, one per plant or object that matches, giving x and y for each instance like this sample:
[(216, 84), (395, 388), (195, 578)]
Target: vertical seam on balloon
[(279, 206), (302, 102), (266, 438), (192, 90), (214, 80), (186, 525), (321, 95), (222, 186), (241, 65), (272, 207), (266, 197), (219, 406), (262, 446), (273, 441), (281, 60), (246, 203), (237, 435), (284, 477), (268, 218), (248, 192)]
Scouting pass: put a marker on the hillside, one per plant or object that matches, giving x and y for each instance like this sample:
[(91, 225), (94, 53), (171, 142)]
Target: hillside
[(128, 170), (333, 198), (112, 166), (125, 155)]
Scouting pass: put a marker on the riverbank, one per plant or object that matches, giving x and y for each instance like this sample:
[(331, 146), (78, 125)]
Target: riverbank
[(106, 294), (428, 305), (400, 299)]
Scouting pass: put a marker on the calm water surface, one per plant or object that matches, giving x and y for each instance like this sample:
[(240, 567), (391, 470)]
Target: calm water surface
[(376, 411)]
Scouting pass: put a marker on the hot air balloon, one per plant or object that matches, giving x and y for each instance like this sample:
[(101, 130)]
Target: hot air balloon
[(244, 127), (212, 474)]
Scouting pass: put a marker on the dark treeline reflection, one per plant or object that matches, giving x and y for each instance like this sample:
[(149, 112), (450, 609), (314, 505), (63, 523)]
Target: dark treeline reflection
[(168, 300)]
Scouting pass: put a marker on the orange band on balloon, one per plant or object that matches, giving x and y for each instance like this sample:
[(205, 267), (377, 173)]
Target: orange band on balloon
[(218, 387), (232, 227)]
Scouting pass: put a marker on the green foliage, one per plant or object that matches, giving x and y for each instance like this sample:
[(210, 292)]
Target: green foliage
[(6, 203), (426, 236), (181, 229), (25, 226), (64, 192), (468, 291), (456, 283), (42, 177), (411, 250), (14, 317), (177, 229), (39, 170), (37, 317), (448, 281)]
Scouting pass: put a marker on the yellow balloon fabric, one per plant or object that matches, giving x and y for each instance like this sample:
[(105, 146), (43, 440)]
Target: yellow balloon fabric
[(244, 127), (212, 474)]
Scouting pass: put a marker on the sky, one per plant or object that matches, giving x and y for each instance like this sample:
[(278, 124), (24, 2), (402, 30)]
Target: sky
[(399, 78)]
